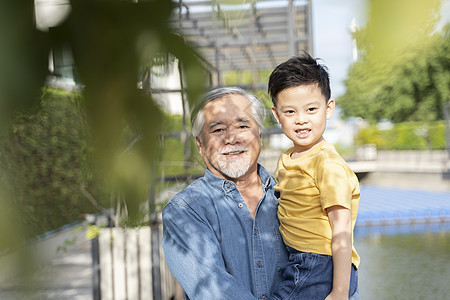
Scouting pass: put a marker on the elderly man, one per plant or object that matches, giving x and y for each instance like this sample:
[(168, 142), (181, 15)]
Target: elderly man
[(221, 238)]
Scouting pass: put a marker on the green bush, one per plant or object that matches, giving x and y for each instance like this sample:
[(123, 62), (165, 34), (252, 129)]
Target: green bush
[(405, 136), (48, 166), (46, 159)]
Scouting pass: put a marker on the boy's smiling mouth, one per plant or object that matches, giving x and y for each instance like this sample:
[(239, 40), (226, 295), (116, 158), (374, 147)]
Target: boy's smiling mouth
[(302, 132)]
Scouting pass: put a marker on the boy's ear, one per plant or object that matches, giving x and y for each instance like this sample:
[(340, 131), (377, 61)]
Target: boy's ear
[(275, 113), (330, 108)]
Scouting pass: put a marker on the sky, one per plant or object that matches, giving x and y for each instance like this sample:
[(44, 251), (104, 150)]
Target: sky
[(332, 41)]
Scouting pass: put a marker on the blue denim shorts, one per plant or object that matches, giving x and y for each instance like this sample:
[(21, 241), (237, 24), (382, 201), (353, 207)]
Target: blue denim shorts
[(310, 276)]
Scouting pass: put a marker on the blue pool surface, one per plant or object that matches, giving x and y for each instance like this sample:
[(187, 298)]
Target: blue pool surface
[(385, 210)]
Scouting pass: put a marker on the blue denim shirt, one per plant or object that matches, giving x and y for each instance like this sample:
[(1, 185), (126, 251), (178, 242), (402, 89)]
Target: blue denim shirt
[(213, 246)]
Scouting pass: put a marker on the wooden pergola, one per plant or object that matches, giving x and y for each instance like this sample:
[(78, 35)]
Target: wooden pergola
[(245, 35)]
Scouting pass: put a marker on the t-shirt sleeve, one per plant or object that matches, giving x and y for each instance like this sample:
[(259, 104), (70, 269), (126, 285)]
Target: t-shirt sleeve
[(334, 185)]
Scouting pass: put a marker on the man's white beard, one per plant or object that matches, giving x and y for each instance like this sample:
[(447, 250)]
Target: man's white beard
[(234, 167)]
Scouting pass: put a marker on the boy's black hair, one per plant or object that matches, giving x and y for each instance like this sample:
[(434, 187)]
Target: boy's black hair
[(298, 71)]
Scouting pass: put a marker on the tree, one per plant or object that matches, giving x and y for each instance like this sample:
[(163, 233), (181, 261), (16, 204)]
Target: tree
[(404, 72)]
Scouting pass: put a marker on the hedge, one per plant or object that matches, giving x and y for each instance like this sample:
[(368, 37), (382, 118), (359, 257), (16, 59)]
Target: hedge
[(45, 162), (405, 136), (47, 165)]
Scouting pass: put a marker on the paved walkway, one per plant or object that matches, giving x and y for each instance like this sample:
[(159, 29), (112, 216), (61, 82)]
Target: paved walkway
[(67, 276)]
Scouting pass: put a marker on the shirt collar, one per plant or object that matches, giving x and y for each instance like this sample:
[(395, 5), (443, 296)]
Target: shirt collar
[(222, 184)]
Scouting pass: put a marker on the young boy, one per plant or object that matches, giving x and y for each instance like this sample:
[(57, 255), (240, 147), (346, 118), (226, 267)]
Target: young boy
[(319, 193)]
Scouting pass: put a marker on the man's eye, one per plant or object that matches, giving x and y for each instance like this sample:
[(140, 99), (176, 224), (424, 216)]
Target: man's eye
[(218, 130)]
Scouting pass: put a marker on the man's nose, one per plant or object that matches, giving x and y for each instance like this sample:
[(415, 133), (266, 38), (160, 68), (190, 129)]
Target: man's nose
[(231, 136)]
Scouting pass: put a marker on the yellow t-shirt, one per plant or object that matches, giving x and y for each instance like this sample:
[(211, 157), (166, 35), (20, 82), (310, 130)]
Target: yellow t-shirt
[(308, 185)]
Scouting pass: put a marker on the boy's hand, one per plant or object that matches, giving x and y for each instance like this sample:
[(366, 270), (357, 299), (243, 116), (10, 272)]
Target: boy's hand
[(337, 296)]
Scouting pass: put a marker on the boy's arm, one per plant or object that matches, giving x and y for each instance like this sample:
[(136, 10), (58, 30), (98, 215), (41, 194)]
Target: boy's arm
[(341, 248)]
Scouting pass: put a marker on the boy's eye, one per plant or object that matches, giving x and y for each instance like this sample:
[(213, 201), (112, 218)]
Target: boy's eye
[(311, 109), (289, 111)]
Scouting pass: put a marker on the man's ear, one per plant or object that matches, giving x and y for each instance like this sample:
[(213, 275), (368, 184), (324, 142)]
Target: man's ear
[(199, 145), (275, 113), (330, 108)]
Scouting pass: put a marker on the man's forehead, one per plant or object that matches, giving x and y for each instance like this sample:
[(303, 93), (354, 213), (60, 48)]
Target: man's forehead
[(229, 104)]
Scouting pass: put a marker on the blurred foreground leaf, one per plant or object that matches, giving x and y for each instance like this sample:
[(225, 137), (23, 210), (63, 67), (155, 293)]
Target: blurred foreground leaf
[(110, 41)]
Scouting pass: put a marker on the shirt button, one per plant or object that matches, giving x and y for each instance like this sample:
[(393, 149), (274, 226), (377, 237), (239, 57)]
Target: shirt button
[(256, 232), (228, 185), (259, 264), (241, 205), (264, 297)]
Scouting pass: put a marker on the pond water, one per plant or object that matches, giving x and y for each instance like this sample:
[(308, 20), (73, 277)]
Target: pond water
[(411, 261), (410, 266)]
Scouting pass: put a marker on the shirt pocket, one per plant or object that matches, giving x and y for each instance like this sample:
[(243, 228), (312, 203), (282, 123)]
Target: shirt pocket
[(276, 233), (280, 251)]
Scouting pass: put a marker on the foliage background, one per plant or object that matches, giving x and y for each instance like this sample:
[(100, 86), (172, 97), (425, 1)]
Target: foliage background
[(405, 136), (402, 75), (46, 156)]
